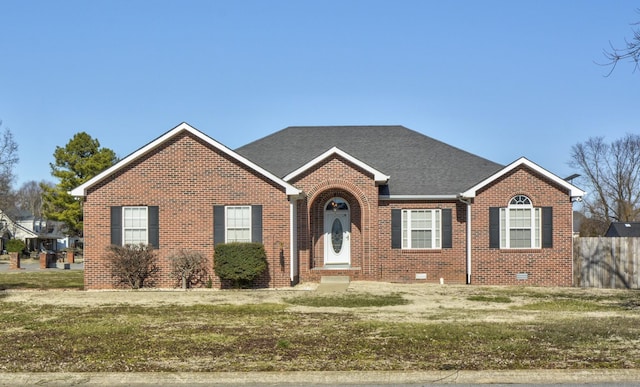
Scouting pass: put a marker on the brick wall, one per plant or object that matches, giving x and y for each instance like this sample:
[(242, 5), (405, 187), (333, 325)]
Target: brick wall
[(403, 265), (371, 255), (544, 267), (336, 177), (185, 178)]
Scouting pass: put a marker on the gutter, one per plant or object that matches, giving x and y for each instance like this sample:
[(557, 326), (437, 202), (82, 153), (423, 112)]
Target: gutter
[(419, 197)]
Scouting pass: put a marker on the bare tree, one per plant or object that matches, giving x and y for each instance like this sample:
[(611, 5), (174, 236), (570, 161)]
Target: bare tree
[(133, 265), (8, 160), (29, 197), (630, 50), (611, 173), (189, 267)]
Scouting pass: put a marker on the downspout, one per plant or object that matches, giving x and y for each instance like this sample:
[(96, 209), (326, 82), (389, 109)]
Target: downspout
[(468, 203), (293, 238)]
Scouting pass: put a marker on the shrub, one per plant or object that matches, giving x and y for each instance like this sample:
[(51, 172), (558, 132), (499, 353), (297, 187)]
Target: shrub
[(240, 263), (133, 265), (15, 246), (189, 267)]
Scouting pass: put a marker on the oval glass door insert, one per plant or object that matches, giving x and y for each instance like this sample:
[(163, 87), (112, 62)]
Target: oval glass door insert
[(336, 235)]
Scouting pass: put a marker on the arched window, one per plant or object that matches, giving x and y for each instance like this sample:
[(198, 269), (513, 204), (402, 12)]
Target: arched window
[(520, 200), (520, 224), (336, 204)]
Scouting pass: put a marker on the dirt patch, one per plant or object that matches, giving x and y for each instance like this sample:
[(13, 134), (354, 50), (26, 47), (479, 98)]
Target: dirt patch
[(427, 302)]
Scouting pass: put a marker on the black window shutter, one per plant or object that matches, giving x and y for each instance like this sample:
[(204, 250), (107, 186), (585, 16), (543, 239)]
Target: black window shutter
[(396, 229), (154, 226), (256, 224), (447, 241), (116, 225), (547, 227), (494, 227), (218, 225)]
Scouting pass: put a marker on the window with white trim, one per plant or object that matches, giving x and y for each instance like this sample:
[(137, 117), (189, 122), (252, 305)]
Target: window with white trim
[(135, 225), (238, 224), (520, 224), (421, 229)]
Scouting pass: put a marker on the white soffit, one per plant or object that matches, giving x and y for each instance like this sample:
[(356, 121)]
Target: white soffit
[(82, 189), (574, 191), (379, 177)]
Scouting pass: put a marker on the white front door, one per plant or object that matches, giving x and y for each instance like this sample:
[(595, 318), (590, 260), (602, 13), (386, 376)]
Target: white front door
[(337, 234)]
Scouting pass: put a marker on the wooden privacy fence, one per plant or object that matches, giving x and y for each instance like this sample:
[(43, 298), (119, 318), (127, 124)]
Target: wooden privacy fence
[(606, 262)]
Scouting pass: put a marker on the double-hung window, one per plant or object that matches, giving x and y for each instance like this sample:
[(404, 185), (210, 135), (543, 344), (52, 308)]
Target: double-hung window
[(134, 225), (238, 224), (421, 229), (520, 224)]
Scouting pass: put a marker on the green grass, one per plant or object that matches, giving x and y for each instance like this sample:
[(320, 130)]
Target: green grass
[(568, 305), (45, 279), (361, 300), (490, 298)]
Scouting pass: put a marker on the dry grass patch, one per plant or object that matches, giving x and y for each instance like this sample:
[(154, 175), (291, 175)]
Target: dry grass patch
[(373, 326)]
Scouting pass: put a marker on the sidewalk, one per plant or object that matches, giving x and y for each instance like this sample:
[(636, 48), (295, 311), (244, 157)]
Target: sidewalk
[(624, 377), (33, 265)]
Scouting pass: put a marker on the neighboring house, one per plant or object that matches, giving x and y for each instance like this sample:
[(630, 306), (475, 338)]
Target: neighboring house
[(381, 203), (37, 234), (623, 229), (578, 218)]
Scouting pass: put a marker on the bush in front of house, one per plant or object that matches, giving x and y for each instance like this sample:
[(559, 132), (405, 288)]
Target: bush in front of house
[(240, 263), (189, 267), (15, 246), (133, 265)]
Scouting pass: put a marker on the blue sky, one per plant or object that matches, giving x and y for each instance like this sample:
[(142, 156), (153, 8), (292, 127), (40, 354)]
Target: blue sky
[(501, 79)]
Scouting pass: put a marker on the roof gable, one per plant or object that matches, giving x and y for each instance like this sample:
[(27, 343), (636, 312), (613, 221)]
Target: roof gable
[(183, 127), (417, 165), (574, 192), (379, 177)]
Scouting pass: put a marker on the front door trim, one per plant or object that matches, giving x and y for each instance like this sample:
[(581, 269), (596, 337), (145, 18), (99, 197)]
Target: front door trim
[(337, 232)]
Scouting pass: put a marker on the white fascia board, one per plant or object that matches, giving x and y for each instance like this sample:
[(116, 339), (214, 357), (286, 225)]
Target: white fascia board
[(81, 190), (574, 191), (379, 177), (419, 197)]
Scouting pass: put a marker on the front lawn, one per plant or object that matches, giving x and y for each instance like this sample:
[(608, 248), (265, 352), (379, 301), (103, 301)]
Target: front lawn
[(42, 279), (472, 328)]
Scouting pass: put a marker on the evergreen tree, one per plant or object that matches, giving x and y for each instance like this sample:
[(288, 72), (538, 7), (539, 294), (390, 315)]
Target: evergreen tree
[(80, 160)]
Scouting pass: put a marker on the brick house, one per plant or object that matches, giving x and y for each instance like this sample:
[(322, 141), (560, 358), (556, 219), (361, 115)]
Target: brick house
[(381, 203)]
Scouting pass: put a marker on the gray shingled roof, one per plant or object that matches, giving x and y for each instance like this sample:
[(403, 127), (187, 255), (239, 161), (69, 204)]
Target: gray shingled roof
[(417, 164), (623, 229)]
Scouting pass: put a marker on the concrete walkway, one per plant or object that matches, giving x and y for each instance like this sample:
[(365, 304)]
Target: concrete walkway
[(528, 377)]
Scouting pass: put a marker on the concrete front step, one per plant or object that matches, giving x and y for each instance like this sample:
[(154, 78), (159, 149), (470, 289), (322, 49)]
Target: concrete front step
[(333, 283), (335, 279)]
